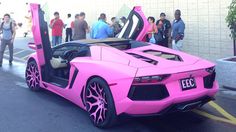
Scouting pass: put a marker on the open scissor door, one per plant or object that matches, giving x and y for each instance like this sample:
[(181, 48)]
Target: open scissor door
[(136, 26), (41, 40)]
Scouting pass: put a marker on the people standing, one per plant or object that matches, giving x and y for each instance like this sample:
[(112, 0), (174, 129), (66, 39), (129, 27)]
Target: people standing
[(57, 26), (79, 27), (68, 28), (100, 29), (152, 30), (178, 32), (8, 32), (163, 26), (116, 26), (123, 21)]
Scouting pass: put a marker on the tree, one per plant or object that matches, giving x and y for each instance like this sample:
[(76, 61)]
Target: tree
[(231, 21)]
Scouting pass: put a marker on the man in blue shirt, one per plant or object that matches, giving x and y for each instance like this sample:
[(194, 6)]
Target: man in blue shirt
[(178, 32), (100, 29)]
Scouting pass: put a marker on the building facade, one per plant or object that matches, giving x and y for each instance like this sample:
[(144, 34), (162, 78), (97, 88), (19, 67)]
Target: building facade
[(206, 33)]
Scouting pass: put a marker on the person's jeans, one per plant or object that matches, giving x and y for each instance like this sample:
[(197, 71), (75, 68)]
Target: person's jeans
[(177, 46), (56, 40), (68, 34), (5, 43), (164, 42)]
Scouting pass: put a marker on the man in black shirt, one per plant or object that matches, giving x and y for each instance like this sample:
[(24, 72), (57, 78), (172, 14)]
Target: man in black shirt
[(163, 26)]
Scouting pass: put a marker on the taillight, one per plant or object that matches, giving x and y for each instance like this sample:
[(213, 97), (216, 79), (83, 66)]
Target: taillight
[(209, 79), (150, 79), (210, 70)]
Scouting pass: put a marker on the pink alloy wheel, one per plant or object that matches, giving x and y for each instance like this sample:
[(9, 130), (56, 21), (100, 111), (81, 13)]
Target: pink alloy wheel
[(97, 102), (32, 75)]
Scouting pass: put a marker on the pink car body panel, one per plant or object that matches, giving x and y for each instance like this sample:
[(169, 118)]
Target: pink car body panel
[(119, 70), (36, 32), (142, 34)]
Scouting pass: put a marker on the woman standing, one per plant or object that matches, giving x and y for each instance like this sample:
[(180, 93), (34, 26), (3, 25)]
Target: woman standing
[(151, 30)]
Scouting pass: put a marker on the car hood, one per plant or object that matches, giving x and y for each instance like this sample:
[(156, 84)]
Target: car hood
[(148, 60), (160, 60), (161, 57), (199, 65)]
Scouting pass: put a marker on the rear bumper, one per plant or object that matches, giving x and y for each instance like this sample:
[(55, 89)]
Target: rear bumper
[(178, 107), (177, 99)]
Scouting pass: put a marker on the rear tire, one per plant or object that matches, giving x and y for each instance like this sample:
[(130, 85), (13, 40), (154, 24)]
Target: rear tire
[(32, 76), (99, 103)]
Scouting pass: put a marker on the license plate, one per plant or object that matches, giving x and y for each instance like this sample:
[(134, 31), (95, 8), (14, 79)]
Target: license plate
[(188, 83)]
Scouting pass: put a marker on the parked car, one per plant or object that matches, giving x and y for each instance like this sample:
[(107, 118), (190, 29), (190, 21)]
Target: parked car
[(117, 76)]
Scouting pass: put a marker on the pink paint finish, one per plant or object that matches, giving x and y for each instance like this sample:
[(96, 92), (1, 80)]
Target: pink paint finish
[(138, 9), (122, 75), (100, 102), (36, 32)]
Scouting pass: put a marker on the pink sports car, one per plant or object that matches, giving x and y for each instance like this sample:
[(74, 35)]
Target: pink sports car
[(116, 76)]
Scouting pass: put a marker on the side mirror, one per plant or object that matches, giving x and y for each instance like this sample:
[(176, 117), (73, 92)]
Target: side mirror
[(32, 45)]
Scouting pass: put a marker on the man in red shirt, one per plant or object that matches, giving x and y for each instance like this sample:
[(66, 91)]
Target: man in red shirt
[(57, 26)]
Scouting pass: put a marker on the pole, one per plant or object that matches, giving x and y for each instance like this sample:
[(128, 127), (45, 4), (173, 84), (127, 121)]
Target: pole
[(234, 47), (234, 38)]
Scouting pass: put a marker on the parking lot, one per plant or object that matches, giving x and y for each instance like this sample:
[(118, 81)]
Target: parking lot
[(21, 50), (23, 111)]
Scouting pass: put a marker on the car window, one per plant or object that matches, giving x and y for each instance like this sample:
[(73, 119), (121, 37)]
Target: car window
[(132, 27), (67, 47), (59, 50)]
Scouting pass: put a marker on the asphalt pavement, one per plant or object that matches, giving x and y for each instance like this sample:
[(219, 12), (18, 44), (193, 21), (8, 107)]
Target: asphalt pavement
[(22, 110), (21, 50)]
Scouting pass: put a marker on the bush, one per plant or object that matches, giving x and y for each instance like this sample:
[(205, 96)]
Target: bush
[(231, 19)]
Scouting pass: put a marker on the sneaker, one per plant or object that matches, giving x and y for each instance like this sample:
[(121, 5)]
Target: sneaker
[(10, 63)]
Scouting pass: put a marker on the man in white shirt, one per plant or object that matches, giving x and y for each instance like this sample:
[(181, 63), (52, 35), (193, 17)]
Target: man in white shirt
[(68, 28)]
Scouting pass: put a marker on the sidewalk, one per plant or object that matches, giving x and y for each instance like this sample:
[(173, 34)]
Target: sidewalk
[(21, 50), (18, 54)]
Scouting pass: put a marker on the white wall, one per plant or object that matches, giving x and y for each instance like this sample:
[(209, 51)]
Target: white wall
[(206, 34)]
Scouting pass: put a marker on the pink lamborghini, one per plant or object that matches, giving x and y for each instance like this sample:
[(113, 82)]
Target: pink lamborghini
[(116, 76)]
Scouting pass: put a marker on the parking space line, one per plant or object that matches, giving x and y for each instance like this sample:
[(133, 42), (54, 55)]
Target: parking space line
[(18, 52), (228, 117), (25, 57), (213, 117), (222, 111)]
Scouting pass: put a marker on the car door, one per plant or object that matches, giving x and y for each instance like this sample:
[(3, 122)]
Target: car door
[(136, 26), (41, 40)]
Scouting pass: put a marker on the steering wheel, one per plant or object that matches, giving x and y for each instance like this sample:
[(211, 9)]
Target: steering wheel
[(69, 55)]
